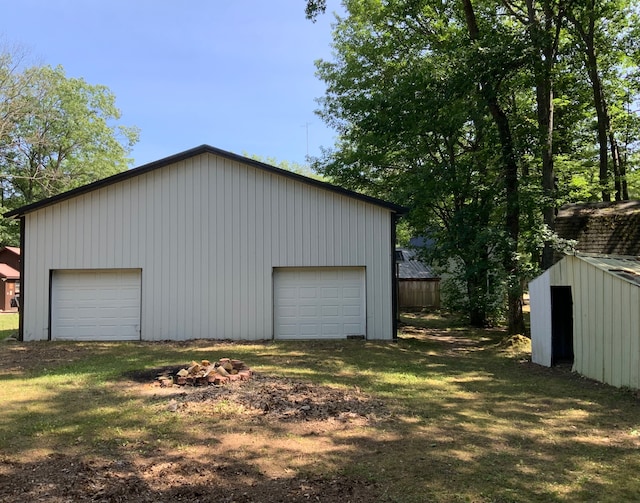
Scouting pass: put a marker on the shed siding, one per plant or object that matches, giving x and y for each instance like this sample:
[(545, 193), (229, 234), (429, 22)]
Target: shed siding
[(606, 321), (207, 233), (540, 305), (633, 329)]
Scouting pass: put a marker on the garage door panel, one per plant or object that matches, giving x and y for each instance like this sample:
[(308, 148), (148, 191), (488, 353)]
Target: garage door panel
[(288, 330), (308, 292), (330, 293), (306, 311), (352, 311), (96, 305), (312, 303), (331, 329), (287, 293), (308, 329)]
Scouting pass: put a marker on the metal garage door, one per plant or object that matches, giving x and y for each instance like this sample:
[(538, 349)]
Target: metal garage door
[(96, 305), (319, 302)]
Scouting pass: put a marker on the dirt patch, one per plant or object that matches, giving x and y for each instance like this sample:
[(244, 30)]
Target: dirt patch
[(62, 478), (254, 412), (269, 397), (283, 399)]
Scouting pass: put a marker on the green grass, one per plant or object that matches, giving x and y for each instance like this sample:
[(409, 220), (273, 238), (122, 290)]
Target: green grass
[(472, 419), (8, 325)]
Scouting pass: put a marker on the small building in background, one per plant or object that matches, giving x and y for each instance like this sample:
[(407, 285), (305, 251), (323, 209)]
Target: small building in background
[(9, 278), (604, 228), (418, 285)]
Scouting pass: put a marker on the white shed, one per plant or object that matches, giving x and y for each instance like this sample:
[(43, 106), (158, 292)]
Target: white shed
[(586, 309), (207, 244)]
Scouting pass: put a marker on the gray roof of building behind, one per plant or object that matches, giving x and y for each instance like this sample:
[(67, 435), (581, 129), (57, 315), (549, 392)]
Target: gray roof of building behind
[(409, 267), (611, 228)]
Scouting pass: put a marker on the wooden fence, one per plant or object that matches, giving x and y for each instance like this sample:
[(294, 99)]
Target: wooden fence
[(419, 293)]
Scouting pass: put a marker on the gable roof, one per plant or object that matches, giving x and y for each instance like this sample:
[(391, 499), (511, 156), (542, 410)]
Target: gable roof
[(202, 149), (13, 249), (611, 228), (8, 272)]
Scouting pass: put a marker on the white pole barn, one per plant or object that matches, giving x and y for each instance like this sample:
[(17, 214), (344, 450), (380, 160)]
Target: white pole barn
[(208, 244)]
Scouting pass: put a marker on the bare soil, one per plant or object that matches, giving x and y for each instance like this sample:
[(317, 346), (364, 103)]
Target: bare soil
[(265, 413), (280, 439)]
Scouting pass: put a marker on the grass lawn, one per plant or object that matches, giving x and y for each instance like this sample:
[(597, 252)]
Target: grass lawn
[(8, 325), (445, 414)]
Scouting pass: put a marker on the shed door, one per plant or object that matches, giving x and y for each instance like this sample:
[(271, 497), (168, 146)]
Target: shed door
[(561, 325), (96, 305), (319, 302)]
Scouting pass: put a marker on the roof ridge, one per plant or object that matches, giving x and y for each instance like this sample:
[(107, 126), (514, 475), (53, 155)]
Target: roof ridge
[(181, 156)]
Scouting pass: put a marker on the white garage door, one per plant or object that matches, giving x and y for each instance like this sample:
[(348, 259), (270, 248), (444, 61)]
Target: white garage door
[(319, 302), (96, 305)]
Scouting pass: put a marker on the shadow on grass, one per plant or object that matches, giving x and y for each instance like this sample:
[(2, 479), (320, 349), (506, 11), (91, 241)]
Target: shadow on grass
[(468, 425)]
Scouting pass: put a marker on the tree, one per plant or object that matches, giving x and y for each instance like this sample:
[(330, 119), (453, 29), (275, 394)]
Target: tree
[(414, 128), (12, 87), (515, 139), (542, 21), (58, 133), (294, 167), (489, 90), (602, 52)]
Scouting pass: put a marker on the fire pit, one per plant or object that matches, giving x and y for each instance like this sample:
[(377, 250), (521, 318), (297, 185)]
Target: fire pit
[(206, 373)]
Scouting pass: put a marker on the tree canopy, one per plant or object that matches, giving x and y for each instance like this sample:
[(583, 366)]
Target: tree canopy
[(483, 116), (56, 133)]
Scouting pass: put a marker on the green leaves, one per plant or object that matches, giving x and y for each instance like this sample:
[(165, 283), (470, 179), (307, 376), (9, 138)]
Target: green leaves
[(57, 133), (460, 109)]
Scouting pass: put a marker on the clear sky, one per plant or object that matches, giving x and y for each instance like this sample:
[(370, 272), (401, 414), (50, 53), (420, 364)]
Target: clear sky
[(235, 74)]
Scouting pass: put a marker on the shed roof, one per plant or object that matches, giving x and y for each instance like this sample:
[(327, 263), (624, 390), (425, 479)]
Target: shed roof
[(409, 267), (611, 228), (8, 272), (626, 268), (13, 249), (202, 149)]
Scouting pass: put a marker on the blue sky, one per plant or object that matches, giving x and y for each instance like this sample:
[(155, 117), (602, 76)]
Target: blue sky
[(235, 74)]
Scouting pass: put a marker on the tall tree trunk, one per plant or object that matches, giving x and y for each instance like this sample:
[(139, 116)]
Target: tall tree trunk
[(602, 116), (622, 170), (544, 34), (544, 97), (619, 177), (489, 93)]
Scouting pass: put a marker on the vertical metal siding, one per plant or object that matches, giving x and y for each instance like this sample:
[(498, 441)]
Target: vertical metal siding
[(609, 352), (606, 322), (540, 305), (633, 329), (207, 233)]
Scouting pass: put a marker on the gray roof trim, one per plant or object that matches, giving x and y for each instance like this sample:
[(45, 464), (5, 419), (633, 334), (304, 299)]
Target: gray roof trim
[(202, 149), (624, 267)]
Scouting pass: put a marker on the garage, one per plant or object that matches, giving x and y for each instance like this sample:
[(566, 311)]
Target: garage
[(96, 305), (319, 302), (208, 231)]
